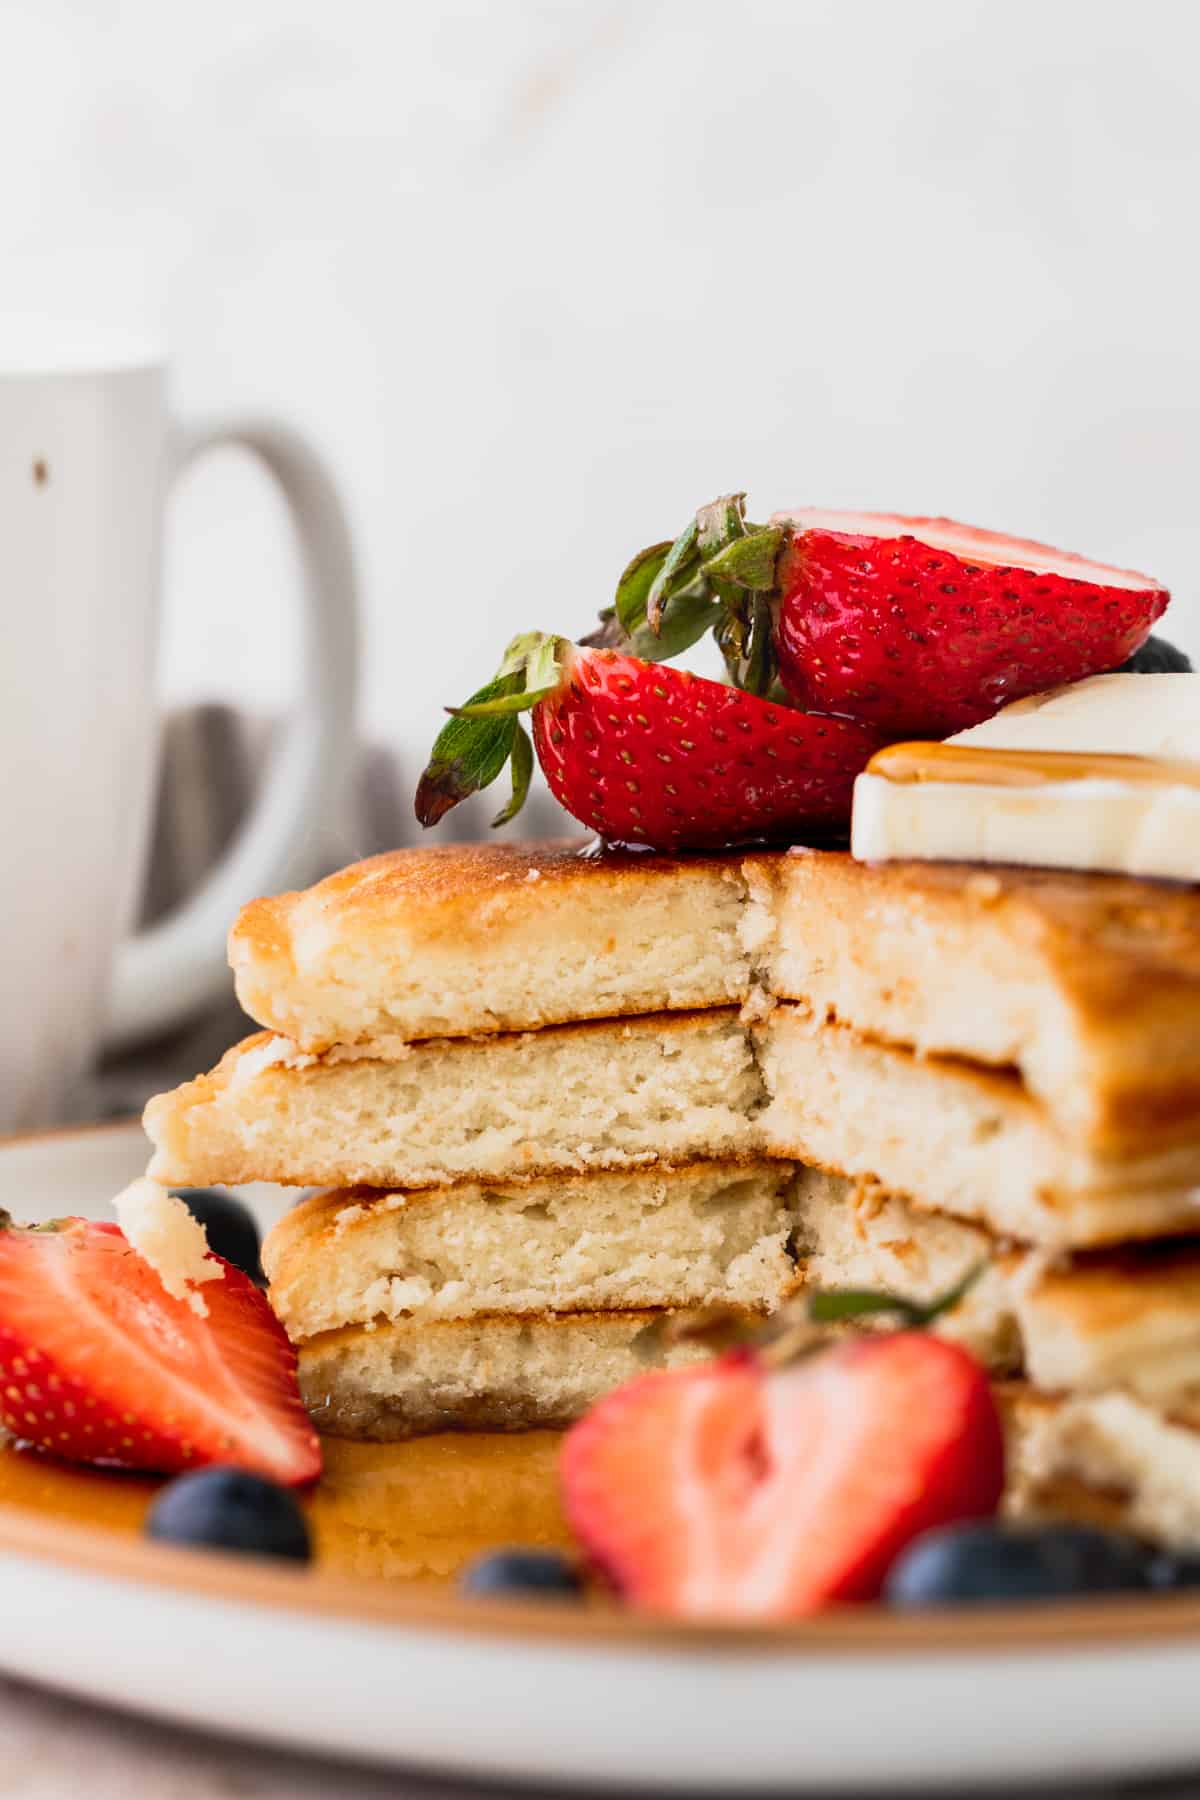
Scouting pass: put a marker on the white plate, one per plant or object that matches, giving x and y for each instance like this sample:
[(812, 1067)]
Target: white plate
[(418, 1677)]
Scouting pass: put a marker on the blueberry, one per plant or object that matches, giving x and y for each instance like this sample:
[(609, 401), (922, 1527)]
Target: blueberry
[(989, 1563), (232, 1232), (1175, 1570), (1157, 657), (229, 1509), (541, 1572)]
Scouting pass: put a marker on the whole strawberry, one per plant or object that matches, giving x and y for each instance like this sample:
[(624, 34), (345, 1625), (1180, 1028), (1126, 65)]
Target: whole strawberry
[(647, 754), (919, 626), (840, 632)]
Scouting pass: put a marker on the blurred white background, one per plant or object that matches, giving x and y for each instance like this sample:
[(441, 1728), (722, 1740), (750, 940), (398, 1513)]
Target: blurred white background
[(542, 277)]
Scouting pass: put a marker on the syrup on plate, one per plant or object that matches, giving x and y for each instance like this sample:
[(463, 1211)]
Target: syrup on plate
[(397, 1512)]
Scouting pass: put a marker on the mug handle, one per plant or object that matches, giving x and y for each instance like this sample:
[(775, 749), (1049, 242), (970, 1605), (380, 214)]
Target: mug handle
[(173, 969)]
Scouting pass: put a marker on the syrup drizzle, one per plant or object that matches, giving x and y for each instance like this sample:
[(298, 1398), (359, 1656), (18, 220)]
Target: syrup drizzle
[(985, 765)]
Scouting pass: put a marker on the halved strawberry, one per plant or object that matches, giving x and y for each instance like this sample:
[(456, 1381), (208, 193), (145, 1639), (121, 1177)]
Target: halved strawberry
[(646, 754), (99, 1364), (920, 626), (926, 627), (737, 1491)]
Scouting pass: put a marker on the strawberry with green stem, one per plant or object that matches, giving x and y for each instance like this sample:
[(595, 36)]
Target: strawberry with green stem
[(919, 626), (647, 754), (878, 627)]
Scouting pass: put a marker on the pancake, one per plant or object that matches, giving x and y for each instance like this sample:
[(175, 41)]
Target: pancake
[(964, 1139), (746, 1236), (665, 1088), (1107, 1459), (1088, 985), (511, 1373), (1103, 1459), (669, 1089), (714, 1233), (1123, 1320), (460, 939)]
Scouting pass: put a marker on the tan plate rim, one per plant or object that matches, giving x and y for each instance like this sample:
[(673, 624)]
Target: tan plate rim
[(16, 1140), (1102, 1623), (1107, 1623)]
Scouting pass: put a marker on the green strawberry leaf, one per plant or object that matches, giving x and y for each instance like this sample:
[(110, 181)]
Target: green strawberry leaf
[(686, 623), (721, 522), (633, 589), (681, 561), (761, 663), (835, 1307), (691, 615), (483, 735), (468, 754), (531, 669), (624, 626), (608, 635), (748, 562), (720, 574), (522, 774)]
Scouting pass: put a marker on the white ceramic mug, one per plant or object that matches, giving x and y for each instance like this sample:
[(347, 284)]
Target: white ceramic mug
[(87, 452)]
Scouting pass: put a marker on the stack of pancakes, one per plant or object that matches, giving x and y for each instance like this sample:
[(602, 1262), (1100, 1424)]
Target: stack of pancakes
[(552, 1098)]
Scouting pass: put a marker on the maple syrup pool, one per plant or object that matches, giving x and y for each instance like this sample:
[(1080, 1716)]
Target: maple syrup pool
[(415, 1511)]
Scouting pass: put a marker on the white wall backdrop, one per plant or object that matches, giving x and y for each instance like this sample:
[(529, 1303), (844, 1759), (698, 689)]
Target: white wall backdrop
[(541, 277)]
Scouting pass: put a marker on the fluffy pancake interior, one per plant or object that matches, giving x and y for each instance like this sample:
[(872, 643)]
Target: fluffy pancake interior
[(481, 1374), (712, 1233), (1104, 1425), (668, 1089), (604, 1095), (746, 1236), (1087, 983), (466, 938), (964, 1140), (1110, 1458), (1126, 1320)]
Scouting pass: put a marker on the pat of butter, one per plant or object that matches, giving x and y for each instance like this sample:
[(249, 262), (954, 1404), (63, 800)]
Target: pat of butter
[(1104, 774)]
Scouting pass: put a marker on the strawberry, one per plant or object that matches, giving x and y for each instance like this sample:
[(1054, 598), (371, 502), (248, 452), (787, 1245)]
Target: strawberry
[(919, 626), (650, 755), (99, 1364), (741, 1491), (909, 627)]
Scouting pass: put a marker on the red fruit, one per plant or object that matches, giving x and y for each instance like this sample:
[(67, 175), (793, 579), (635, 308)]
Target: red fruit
[(732, 1491), (924, 627), (911, 627), (99, 1364), (647, 754)]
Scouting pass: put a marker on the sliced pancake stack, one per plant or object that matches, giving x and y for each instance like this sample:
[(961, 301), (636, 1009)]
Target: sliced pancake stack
[(551, 1099), (1016, 1053), (520, 1080)]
